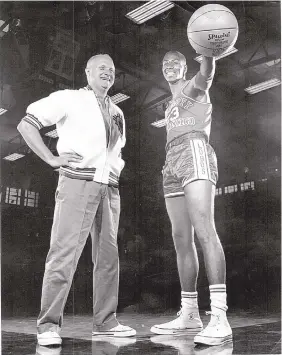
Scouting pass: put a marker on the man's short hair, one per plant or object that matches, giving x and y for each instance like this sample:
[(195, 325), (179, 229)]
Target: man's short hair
[(95, 56), (180, 55)]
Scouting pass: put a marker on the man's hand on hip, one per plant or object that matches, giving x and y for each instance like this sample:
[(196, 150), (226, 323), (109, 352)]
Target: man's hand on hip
[(64, 159)]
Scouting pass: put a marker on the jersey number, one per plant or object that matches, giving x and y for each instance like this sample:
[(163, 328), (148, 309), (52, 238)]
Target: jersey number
[(174, 114)]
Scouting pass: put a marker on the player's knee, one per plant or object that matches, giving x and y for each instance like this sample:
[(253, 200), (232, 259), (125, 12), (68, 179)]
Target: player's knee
[(182, 241), (179, 235), (204, 238), (202, 218), (206, 234)]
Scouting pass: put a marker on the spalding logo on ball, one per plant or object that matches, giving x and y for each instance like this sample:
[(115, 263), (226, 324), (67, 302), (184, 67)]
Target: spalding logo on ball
[(212, 30)]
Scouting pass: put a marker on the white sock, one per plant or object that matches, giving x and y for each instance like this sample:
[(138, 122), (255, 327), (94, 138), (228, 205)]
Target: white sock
[(218, 298), (189, 299)]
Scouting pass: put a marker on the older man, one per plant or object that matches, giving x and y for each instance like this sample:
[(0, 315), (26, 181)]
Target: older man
[(91, 132)]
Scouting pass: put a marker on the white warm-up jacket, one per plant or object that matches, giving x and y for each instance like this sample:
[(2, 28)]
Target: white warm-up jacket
[(81, 129)]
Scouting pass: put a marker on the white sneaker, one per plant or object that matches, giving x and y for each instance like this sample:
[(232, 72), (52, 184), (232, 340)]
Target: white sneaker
[(118, 331), (49, 338), (217, 332), (187, 321)]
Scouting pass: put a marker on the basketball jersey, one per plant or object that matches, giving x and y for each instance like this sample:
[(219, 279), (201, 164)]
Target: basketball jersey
[(185, 115)]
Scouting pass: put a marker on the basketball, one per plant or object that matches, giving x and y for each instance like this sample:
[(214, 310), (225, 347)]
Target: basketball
[(212, 30)]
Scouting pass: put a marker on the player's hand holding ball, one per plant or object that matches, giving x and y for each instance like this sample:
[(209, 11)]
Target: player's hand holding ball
[(212, 30)]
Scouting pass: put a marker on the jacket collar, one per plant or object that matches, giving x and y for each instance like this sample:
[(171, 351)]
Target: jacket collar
[(89, 88), (107, 98)]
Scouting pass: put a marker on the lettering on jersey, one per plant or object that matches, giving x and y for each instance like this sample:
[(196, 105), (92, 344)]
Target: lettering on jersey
[(178, 122), (173, 120), (118, 121), (183, 102)]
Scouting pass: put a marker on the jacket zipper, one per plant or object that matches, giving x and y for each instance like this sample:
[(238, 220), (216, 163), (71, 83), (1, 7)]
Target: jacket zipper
[(109, 138)]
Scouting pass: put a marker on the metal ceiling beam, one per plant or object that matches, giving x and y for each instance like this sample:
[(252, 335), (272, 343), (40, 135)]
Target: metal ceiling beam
[(146, 77), (158, 101), (186, 6), (259, 61)]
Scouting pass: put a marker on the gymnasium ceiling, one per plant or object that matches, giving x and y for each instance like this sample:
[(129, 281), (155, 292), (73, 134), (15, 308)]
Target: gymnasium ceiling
[(137, 50)]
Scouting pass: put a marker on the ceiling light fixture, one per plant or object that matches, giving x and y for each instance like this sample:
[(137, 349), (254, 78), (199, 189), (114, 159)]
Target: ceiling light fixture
[(52, 134), (254, 89), (119, 98), (273, 62), (13, 156), (2, 111), (4, 27), (231, 51), (149, 10), (159, 123)]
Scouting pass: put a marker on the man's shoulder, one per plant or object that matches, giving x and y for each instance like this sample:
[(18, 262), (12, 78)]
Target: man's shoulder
[(71, 94), (195, 84), (117, 109), (65, 92), (79, 91)]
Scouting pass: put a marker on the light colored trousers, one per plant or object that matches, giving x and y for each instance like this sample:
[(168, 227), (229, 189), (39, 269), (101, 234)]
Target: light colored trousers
[(82, 207)]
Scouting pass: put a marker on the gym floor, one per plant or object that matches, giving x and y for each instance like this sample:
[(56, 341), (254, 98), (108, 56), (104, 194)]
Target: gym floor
[(252, 334)]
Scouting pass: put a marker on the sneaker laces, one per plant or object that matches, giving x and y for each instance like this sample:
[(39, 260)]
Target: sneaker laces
[(181, 313)]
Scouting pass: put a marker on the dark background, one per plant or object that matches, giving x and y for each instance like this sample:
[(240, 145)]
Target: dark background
[(245, 135)]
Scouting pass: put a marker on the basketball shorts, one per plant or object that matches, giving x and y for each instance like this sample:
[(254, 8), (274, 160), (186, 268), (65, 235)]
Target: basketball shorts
[(188, 160)]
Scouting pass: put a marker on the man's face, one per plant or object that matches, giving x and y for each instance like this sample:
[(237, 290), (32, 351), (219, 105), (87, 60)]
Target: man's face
[(101, 72), (174, 68)]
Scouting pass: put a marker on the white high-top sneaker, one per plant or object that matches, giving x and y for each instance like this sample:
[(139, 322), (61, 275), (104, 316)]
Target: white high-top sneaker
[(217, 332), (188, 321)]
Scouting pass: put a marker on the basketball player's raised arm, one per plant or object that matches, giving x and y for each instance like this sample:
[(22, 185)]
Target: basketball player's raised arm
[(204, 78)]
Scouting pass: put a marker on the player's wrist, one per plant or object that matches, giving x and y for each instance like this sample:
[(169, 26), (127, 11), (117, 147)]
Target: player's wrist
[(50, 158)]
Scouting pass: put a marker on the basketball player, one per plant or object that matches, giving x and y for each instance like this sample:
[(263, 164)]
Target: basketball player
[(189, 178), (91, 132)]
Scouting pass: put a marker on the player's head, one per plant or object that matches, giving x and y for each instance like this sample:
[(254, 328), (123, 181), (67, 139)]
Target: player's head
[(100, 71), (174, 66)]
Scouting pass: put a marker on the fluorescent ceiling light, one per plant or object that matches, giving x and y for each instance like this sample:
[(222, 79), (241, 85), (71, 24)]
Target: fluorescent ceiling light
[(159, 123), (2, 110), (45, 79), (273, 62), (5, 29), (14, 156), (231, 51), (149, 10), (119, 98), (263, 86), (52, 134)]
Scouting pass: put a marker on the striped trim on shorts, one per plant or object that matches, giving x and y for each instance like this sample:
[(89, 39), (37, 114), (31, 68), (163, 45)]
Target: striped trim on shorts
[(189, 160), (201, 165)]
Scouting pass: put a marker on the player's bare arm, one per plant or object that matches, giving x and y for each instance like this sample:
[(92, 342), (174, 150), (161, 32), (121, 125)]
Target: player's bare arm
[(202, 81)]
